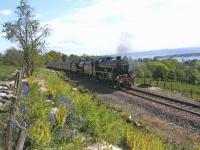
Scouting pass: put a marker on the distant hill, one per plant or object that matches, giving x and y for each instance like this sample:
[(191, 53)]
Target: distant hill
[(162, 52), (179, 55)]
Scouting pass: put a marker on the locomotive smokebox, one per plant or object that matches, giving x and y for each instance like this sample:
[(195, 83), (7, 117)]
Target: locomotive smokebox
[(118, 57)]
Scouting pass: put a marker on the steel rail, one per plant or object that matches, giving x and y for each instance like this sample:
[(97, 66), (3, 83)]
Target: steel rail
[(189, 107), (177, 103)]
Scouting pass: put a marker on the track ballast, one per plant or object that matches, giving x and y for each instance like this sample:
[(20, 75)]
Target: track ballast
[(180, 104)]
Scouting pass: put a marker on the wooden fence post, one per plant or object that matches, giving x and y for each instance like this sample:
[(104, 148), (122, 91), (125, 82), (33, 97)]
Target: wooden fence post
[(8, 144), (9, 128), (21, 139), (22, 131)]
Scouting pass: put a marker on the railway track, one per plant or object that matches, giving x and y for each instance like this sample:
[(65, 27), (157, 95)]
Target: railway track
[(180, 104)]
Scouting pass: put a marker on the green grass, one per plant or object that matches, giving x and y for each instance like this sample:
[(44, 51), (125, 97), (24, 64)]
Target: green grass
[(6, 72), (96, 120), (188, 90)]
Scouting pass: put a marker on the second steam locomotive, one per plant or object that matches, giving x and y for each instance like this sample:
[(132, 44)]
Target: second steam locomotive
[(111, 69)]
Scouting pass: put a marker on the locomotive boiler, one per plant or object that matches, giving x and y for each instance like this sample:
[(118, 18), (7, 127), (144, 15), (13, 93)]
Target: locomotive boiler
[(110, 69)]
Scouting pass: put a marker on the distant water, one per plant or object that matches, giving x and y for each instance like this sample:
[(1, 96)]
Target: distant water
[(165, 52), (151, 56), (177, 58), (186, 58)]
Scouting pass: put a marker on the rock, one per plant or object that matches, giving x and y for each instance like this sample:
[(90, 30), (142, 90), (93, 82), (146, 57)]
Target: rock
[(137, 124), (49, 100), (6, 96), (53, 111), (4, 84), (75, 89), (65, 101), (42, 89), (6, 91), (4, 99), (11, 83), (103, 146), (3, 87), (53, 115)]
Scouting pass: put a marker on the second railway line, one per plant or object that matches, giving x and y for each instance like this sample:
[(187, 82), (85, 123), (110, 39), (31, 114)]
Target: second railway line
[(176, 103)]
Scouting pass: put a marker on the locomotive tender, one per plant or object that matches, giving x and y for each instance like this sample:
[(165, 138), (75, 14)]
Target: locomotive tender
[(111, 69)]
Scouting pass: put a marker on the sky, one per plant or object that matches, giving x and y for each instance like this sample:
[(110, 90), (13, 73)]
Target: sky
[(101, 27)]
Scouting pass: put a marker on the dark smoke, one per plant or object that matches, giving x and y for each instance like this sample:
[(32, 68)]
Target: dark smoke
[(125, 43)]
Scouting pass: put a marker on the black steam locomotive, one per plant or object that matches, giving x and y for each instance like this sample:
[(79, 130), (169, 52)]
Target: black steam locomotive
[(111, 69)]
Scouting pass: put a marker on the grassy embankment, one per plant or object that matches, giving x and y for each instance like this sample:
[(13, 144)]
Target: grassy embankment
[(185, 89), (83, 122), (88, 120), (6, 72)]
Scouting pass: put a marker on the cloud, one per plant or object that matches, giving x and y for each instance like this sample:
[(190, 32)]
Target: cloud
[(38, 16), (146, 24), (2, 34), (91, 27), (6, 12)]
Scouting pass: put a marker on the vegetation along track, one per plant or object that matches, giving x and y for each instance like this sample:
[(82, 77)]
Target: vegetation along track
[(190, 107)]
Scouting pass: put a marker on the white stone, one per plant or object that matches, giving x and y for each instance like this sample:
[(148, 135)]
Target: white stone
[(3, 88), (42, 89), (6, 95), (75, 89), (25, 80), (3, 94), (48, 100), (103, 146), (12, 83), (53, 111)]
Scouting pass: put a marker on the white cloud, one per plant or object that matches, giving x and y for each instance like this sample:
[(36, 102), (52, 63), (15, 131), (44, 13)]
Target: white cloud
[(2, 34), (6, 12), (38, 16), (151, 24)]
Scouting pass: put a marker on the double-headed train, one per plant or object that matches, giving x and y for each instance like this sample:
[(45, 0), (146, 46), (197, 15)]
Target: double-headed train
[(110, 69)]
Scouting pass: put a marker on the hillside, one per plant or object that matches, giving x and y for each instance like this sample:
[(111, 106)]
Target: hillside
[(180, 56), (162, 52)]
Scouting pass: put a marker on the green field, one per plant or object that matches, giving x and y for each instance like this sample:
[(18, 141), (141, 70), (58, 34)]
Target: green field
[(6, 72), (188, 90)]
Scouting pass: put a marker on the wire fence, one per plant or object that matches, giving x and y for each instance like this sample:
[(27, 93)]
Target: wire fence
[(184, 89), (11, 141)]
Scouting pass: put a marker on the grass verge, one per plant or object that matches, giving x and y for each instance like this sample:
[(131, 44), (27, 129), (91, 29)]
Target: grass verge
[(185, 89), (6, 72), (81, 123)]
